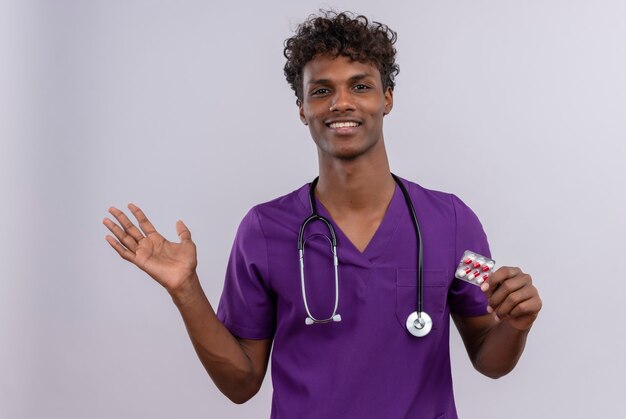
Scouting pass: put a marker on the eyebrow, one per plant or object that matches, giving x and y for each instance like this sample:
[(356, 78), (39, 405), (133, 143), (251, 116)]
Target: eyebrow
[(352, 79)]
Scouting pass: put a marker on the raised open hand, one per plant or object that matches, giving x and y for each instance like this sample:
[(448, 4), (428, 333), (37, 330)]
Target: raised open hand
[(170, 264)]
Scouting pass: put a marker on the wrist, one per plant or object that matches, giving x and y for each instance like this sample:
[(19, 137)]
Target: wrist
[(187, 291)]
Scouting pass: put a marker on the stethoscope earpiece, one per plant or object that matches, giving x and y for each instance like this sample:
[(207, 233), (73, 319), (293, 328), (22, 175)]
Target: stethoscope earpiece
[(309, 320)]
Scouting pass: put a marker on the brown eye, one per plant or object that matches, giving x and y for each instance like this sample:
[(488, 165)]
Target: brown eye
[(318, 92)]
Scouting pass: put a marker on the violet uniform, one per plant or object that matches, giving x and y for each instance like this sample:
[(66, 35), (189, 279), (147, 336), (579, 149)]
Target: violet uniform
[(367, 365)]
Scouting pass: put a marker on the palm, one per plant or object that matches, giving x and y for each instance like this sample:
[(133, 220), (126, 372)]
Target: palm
[(169, 263)]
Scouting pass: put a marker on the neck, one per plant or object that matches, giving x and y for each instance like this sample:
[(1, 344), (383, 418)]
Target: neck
[(355, 185)]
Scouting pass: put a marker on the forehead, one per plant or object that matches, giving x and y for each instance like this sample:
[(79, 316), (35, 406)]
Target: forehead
[(336, 69)]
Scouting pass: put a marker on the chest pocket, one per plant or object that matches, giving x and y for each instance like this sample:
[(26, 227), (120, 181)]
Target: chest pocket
[(434, 298)]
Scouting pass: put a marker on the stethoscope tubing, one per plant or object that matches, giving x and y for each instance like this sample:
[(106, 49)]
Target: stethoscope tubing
[(333, 244), (416, 325), (420, 257)]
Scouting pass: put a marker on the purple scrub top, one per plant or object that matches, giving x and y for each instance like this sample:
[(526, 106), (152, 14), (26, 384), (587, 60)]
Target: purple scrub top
[(367, 365)]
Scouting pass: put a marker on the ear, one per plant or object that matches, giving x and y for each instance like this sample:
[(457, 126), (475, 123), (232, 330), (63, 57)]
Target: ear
[(388, 100), (301, 112)]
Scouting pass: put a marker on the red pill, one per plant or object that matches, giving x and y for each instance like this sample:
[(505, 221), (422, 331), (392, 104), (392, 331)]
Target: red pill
[(473, 275)]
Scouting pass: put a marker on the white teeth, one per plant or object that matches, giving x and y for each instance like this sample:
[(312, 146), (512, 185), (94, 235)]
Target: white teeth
[(343, 124)]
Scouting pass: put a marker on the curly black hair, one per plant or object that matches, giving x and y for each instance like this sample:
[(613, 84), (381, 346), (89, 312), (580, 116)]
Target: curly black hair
[(341, 34)]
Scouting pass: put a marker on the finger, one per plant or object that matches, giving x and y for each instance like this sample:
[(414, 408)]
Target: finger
[(125, 222), (530, 307), (513, 300), (121, 235), (145, 225), (508, 287), (183, 232), (500, 275), (121, 250)]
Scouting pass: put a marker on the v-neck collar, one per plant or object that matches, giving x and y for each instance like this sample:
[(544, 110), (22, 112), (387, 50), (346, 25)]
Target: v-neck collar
[(377, 245)]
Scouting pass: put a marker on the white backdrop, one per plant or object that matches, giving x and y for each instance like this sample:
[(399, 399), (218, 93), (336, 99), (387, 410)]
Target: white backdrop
[(182, 108)]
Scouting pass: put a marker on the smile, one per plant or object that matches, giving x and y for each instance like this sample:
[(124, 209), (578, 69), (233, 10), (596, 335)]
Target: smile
[(345, 124)]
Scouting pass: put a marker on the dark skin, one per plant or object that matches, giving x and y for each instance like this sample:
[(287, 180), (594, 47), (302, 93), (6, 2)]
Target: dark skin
[(343, 104), (355, 183), (237, 366)]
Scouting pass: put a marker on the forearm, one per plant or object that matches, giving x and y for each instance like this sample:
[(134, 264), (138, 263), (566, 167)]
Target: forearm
[(500, 350), (221, 354)]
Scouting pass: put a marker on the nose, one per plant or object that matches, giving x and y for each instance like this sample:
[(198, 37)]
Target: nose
[(342, 101)]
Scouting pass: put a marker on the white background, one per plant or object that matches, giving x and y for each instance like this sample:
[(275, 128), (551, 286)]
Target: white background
[(181, 107)]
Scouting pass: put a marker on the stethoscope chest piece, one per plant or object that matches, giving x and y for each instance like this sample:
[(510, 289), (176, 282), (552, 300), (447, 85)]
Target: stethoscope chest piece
[(419, 325)]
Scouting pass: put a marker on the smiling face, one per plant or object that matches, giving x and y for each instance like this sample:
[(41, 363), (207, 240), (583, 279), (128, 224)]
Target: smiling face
[(343, 104)]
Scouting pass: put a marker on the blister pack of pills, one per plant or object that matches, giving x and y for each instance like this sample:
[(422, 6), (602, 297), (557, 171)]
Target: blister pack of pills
[(474, 268)]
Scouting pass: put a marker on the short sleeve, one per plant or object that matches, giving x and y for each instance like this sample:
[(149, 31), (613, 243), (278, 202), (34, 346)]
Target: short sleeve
[(467, 299), (247, 305)]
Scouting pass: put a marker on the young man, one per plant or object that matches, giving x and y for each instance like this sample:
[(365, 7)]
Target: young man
[(341, 344)]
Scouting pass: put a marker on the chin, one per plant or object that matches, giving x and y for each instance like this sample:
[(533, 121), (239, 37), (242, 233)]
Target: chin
[(346, 155), (344, 150)]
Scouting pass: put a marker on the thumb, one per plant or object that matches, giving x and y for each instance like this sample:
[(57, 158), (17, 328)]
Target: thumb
[(183, 232)]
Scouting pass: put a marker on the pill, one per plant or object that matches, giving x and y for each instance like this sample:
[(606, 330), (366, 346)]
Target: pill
[(479, 262), (474, 268), (473, 275)]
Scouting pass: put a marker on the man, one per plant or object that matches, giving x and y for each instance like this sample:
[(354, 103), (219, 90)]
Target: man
[(360, 362)]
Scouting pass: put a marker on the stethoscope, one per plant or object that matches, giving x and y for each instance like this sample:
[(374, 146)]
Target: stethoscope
[(419, 322)]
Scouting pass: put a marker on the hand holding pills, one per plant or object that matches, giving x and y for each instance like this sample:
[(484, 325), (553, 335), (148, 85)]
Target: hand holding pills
[(510, 292)]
